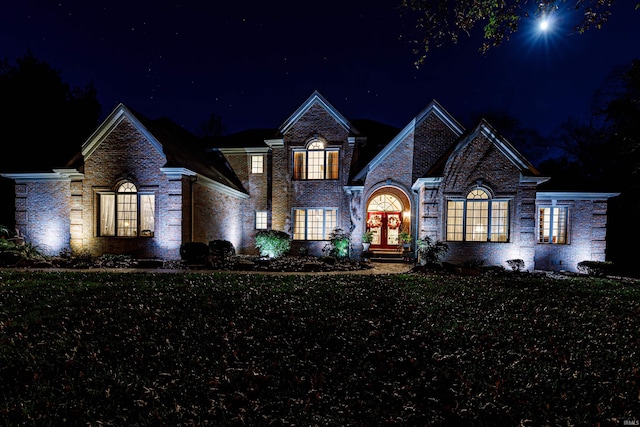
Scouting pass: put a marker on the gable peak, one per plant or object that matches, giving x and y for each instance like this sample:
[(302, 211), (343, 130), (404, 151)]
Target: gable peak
[(315, 99), (434, 107), (485, 128)]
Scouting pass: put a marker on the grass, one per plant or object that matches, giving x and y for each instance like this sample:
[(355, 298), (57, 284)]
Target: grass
[(183, 349)]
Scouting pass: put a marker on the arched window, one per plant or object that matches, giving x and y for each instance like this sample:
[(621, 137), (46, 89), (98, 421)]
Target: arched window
[(316, 162), (478, 218), (384, 203), (126, 212)]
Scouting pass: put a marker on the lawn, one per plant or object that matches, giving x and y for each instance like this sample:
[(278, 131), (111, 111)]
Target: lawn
[(114, 349)]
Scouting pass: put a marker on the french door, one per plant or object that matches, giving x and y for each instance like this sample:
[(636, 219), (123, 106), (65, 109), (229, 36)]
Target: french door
[(386, 226)]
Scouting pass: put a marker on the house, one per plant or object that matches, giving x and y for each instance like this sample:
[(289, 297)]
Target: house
[(144, 187)]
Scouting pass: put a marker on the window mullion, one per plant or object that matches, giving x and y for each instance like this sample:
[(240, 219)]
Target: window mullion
[(306, 224), (464, 220), (488, 235), (551, 220)]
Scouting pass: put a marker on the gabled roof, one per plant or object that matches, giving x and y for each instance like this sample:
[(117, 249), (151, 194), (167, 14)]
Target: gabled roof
[(484, 128), (180, 147), (434, 108), (314, 99), (377, 136)]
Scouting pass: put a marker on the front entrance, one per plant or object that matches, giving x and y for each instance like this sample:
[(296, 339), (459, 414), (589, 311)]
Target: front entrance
[(387, 215), (385, 227)]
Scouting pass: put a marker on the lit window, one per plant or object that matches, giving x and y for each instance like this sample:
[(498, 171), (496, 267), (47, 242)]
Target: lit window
[(478, 219), (126, 213), (315, 162), (314, 224), (385, 203), (257, 164), (553, 225), (261, 220)]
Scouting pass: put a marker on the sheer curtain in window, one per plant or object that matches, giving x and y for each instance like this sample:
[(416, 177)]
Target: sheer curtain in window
[(147, 214), (107, 214)]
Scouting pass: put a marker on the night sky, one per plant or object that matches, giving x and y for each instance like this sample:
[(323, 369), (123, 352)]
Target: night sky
[(254, 63)]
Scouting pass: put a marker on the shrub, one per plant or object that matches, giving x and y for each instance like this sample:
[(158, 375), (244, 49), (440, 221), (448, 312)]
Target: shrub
[(80, 259), (6, 245), (339, 241), (29, 251), (5, 232), (194, 252), (404, 237), (12, 253), (8, 256), (595, 268), (431, 251), (272, 243), (222, 248), (516, 264), (367, 236)]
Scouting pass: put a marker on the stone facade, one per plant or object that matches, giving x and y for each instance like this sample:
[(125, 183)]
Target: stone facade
[(430, 162)]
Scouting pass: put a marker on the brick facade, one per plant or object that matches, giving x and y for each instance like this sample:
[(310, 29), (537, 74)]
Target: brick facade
[(126, 154), (43, 214), (430, 161)]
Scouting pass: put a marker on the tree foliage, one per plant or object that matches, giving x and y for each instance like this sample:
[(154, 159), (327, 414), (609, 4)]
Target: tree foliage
[(44, 119), (623, 121), (603, 154), (442, 21), (606, 147), (534, 146), (212, 127)]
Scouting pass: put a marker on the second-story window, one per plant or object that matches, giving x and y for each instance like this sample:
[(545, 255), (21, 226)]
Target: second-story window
[(257, 164), (316, 162)]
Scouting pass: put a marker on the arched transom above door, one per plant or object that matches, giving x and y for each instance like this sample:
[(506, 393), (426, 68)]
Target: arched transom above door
[(385, 203)]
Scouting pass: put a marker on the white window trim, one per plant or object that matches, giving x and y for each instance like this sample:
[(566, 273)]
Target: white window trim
[(251, 164), (139, 231), (490, 200), (326, 230), (266, 220), (567, 224), (306, 163)]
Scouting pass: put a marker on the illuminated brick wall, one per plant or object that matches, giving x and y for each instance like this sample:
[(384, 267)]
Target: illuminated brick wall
[(289, 194), (259, 187), (126, 154), (481, 162), (587, 237), (43, 214)]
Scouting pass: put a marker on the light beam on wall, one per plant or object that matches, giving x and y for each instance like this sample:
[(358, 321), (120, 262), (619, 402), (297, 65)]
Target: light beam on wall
[(54, 238)]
